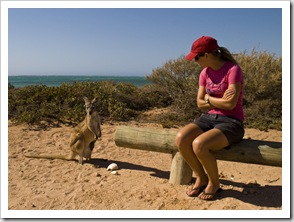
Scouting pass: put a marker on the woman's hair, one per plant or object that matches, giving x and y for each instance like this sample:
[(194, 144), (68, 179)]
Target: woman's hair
[(225, 54)]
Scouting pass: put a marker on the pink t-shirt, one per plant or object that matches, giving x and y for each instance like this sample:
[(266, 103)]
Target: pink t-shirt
[(216, 83)]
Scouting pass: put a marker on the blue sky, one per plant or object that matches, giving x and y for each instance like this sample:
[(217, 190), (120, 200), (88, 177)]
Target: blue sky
[(124, 41)]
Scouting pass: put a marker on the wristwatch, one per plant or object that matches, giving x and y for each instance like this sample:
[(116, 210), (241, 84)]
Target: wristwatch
[(207, 99)]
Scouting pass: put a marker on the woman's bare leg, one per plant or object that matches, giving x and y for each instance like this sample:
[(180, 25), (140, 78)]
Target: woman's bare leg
[(184, 140), (211, 140)]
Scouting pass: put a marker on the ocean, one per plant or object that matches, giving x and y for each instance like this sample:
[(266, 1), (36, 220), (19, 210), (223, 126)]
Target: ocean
[(21, 81)]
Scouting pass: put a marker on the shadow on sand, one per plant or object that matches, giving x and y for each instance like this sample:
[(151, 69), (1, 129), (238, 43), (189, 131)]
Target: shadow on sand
[(263, 196), (103, 163)]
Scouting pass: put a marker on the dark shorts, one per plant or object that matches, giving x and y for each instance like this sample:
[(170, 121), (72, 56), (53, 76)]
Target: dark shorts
[(231, 127)]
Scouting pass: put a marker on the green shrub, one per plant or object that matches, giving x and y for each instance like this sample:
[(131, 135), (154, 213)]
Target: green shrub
[(262, 97), (263, 89), (179, 78), (10, 86), (174, 85), (116, 101)]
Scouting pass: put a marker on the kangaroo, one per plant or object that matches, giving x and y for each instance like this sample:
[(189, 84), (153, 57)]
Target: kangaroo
[(82, 139)]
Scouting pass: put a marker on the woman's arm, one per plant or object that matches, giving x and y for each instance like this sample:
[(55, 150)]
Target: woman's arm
[(201, 103), (229, 99)]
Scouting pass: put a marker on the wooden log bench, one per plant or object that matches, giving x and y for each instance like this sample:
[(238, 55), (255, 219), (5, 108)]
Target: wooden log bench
[(163, 140)]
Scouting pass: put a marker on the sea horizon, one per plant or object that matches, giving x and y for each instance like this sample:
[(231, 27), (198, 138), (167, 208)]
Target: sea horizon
[(56, 80), (135, 75)]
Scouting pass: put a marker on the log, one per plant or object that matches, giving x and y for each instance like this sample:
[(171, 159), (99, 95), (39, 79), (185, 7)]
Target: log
[(158, 140), (163, 140)]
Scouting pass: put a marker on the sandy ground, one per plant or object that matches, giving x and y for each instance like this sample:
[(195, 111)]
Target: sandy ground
[(142, 182)]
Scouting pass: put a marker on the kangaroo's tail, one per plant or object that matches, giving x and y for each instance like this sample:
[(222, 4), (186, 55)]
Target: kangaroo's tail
[(51, 157)]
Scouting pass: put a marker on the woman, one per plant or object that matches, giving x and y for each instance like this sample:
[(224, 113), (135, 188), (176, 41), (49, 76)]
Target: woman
[(220, 97)]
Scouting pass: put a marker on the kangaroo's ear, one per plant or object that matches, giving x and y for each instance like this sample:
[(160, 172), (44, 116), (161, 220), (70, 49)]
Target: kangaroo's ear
[(95, 100), (86, 100)]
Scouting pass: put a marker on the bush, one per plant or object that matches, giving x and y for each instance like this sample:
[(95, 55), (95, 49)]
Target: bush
[(263, 89), (179, 78), (174, 85), (10, 86), (262, 97), (116, 101)]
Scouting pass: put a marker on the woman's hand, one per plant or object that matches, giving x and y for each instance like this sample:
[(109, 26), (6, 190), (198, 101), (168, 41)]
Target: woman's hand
[(229, 94), (206, 97)]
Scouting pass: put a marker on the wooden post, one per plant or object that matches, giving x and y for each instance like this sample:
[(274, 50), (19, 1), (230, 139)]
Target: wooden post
[(180, 172)]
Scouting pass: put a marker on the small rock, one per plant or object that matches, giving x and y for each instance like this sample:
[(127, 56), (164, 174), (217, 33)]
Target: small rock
[(114, 172), (112, 167), (246, 137), (221, 175)]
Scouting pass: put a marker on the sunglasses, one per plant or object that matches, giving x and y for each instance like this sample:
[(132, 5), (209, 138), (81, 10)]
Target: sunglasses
[(199, 55)]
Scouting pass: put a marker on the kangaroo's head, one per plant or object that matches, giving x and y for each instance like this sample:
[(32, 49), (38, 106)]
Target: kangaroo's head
[(92, 119), (90, 106)]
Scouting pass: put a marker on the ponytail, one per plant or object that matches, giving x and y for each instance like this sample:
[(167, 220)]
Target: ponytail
[(226, 55)]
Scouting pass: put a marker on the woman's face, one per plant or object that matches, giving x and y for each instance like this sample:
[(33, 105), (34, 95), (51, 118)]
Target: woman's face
[(201, 59)]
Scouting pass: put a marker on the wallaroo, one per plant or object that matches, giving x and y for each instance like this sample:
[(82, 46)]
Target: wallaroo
[(82, 139)]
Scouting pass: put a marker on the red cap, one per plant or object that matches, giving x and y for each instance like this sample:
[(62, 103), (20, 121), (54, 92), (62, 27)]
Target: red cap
[(203, 44)]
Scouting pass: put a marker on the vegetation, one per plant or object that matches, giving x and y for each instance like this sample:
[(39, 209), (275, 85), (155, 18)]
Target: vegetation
[(174, 85), (263, 90), (116, 101)]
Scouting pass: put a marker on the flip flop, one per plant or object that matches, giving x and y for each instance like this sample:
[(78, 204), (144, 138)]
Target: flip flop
[(200, 189), (213, 195)]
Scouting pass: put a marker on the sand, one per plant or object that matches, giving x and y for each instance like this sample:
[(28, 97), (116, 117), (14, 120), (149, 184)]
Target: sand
[(142, 182)]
